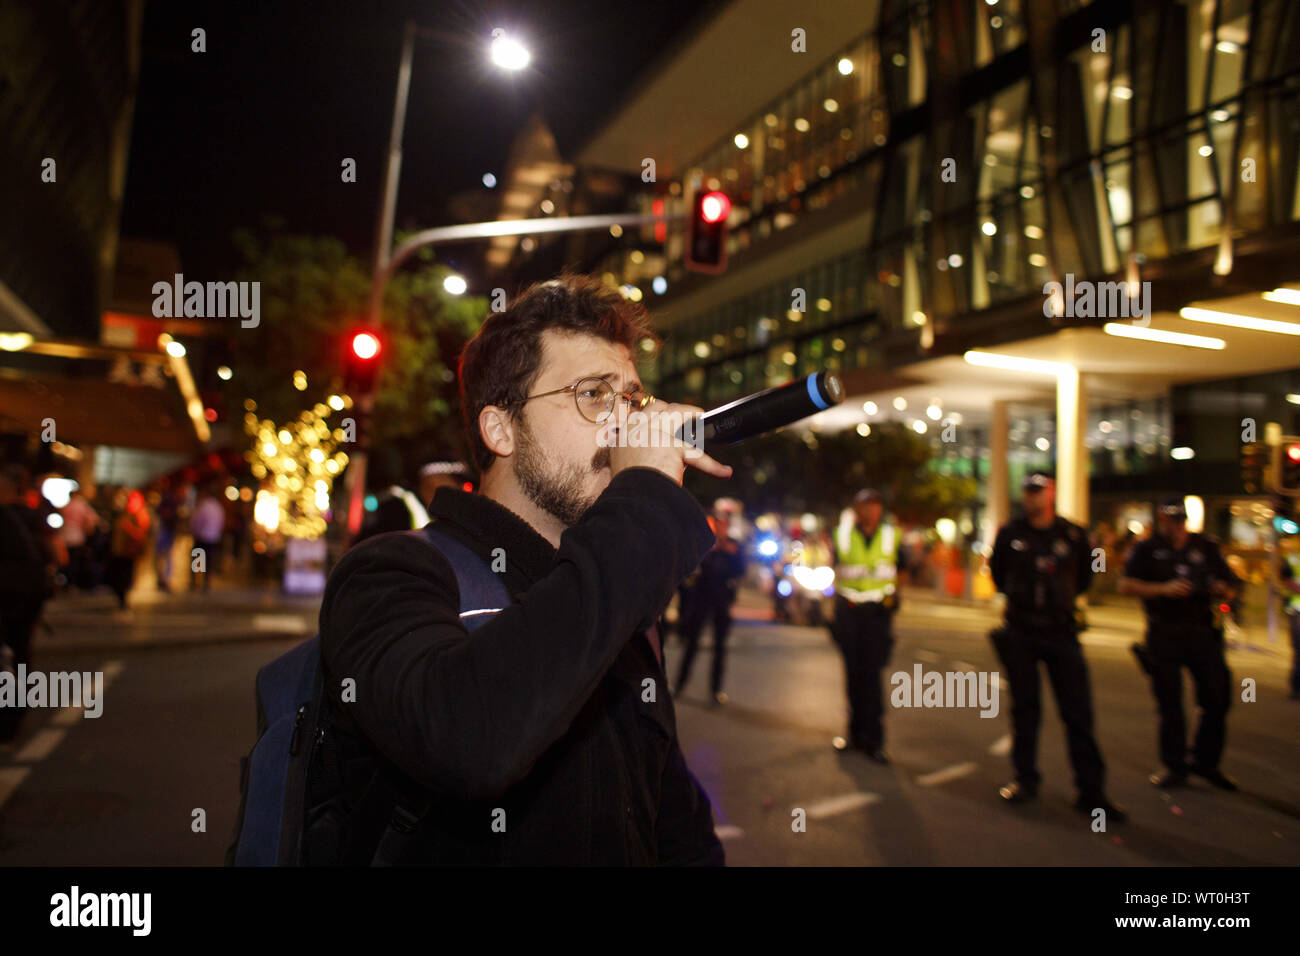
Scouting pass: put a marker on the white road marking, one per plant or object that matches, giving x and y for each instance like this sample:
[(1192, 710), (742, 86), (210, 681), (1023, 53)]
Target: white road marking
[(841, 804), (946, 774), (921, 654), (728, 832), (963, 666), (1002, 746), (67, 716), (280, 623), (39, 747), (10, 779)]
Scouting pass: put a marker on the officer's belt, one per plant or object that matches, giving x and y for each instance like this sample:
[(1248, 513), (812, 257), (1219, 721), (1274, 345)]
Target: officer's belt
[(884, 569), (865, 597)]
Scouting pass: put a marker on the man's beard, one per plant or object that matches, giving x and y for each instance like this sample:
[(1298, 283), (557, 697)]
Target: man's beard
[(556, 489)]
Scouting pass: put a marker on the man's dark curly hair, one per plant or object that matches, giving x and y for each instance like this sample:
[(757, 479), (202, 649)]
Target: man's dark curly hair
[(500, 364)]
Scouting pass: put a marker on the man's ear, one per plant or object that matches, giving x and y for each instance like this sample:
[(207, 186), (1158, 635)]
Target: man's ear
[(497, 429)]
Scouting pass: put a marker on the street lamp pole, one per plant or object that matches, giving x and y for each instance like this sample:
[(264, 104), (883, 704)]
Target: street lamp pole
[(356, 473), (392, 173), (387, 260)]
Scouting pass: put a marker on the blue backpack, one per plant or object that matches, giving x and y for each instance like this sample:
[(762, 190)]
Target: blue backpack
[(291, 728)]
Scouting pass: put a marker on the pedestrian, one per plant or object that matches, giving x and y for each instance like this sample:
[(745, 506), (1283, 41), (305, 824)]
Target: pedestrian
[(1180, 576), (79, 523), (207, 525), (866, 599), (129, 540), (545, 736), (441, 474), (1042, 563), (169, 517), (710, 600), (25, 581)]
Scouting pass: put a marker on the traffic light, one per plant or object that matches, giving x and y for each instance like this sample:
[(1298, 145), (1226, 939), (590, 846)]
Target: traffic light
[(1254, 468), (706, 234), (1288, 481), (361, 362)]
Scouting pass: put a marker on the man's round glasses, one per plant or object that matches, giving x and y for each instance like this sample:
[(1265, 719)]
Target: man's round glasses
[(595, 398)]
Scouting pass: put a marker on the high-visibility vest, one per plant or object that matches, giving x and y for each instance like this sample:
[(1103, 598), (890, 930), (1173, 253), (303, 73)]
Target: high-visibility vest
[(866, 572)]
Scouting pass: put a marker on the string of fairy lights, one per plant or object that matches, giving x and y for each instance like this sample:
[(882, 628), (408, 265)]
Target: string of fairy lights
[(296, 463)]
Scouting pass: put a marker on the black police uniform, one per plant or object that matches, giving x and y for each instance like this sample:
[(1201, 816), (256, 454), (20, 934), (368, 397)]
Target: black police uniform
[(710, 599), (1181, 632), (1041, 572)]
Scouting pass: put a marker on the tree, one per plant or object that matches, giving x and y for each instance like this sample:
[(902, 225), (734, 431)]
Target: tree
[(313, 294), (798, 472)]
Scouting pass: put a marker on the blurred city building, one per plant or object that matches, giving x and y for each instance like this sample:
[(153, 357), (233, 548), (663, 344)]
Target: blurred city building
[(88, 385), (925, 171)]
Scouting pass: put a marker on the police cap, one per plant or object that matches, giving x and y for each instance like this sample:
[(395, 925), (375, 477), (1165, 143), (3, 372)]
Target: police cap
[(1037, 480), (1174, 508)]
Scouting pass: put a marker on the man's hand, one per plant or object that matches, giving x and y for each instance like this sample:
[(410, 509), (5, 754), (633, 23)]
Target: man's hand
[(1176, 588), (1221, 589), (663, 451)]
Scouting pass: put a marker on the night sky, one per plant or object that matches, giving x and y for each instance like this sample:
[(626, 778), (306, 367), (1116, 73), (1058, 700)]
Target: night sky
[(259, 124)]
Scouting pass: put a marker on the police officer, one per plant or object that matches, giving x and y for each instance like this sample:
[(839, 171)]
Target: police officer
[(1042, 562), (710, 599), (1179, 575), (866, 569)]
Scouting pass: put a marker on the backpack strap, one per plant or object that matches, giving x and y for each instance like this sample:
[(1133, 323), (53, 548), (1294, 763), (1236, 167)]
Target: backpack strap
[(482, 595)]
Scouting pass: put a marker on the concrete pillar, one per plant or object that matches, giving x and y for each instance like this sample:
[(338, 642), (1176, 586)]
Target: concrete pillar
[(1071, 455), (998, 492)]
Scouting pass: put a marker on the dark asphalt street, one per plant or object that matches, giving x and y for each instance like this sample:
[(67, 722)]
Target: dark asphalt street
[(123, 788)]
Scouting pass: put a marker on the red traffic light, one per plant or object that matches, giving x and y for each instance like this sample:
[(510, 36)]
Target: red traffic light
[(715, 207), (706, 233), (1293, 452), (365, 345)]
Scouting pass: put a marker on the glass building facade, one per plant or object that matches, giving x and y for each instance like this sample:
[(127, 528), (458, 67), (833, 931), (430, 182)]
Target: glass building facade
[(985, 149)]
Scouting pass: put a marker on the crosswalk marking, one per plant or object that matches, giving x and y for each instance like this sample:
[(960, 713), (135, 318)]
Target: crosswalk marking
[(841, 804), (921, 654), (1002, 746), (946, 774), (40, 746), (728, 832), (67, 716), (280, 623)]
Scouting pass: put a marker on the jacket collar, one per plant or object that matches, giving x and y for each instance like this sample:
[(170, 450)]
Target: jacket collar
[(483, 526)]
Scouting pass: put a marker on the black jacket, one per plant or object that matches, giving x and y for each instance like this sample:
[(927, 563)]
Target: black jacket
[(535, 737), (1041, 571)]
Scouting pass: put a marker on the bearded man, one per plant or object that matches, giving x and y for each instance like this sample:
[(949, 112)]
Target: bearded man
[(547, 735)]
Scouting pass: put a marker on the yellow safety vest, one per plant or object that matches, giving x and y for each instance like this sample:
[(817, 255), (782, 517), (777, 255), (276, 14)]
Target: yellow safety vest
[(866, 572)]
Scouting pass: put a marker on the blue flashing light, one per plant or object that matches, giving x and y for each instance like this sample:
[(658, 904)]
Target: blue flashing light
[(784, 588), (768, 548)]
